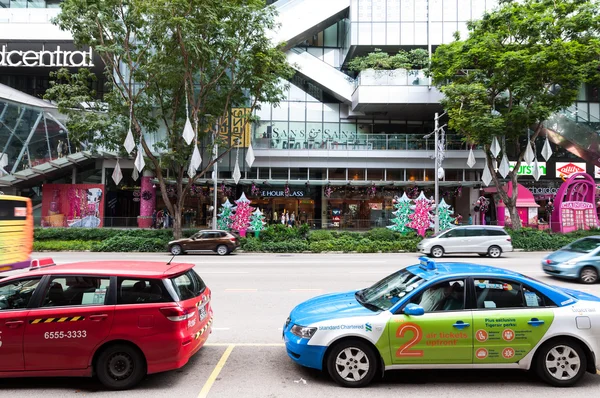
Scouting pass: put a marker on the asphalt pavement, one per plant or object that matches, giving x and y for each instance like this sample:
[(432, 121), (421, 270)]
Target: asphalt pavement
[(253, 295)]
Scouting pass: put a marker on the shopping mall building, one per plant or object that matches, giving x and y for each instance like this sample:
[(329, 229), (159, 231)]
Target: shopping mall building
[(335, 152)]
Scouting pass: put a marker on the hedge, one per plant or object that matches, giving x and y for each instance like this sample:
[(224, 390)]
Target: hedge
[(276, 239)]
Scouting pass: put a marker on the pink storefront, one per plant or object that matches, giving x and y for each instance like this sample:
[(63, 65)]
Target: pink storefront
[(526, 206), (575, 206)]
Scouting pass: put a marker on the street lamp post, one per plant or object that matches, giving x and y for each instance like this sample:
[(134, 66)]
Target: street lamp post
[(438, 156), (216, 176)]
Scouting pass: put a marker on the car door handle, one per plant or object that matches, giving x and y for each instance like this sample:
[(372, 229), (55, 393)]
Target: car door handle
[(14, 324), (536, 322), (460, 325), (98, 318)]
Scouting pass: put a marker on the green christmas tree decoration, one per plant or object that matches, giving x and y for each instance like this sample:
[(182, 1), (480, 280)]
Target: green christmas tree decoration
[(401, 219), (444, 212), (225, 217), (257, 222)]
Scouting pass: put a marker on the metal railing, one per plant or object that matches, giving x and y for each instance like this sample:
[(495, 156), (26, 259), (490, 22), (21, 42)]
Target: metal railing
[(398, 77), (361, 142)]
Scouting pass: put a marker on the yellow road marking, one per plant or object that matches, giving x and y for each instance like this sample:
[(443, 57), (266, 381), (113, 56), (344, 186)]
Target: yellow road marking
[(244, 344), (215, 373)]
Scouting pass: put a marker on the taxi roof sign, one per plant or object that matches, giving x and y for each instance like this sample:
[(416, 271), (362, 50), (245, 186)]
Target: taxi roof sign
[(427, 264)]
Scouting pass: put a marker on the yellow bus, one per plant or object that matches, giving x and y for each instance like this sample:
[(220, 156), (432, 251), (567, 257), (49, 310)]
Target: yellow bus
[(16, 232)]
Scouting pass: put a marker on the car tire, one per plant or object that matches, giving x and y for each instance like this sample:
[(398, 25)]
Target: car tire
[(120, 367), (222, 250), (436, 251), (361, 355), (588, 275), (176, 250), (494, 251), (556, 371)]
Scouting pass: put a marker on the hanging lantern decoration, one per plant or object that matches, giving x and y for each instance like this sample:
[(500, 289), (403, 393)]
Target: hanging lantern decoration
[(372, 191), (286, 190), (482, 204), (549, 208), (328, 191), (458, 191), (254, 191)]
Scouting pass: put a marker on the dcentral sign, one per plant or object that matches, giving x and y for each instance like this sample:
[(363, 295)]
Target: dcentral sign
[(281, 193), (46, 58)]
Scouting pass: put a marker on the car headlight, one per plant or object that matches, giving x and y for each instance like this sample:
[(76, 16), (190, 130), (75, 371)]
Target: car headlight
[(570, 263), (303, 331)]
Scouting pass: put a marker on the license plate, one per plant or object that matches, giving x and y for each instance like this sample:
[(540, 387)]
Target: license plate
[(202, 313), (548, 268)]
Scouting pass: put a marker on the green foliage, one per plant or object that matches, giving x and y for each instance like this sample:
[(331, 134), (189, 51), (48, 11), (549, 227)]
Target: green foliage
[(414, 59), (131, 244), (320, 235), (383, 234), (63, 245), (281, 233)]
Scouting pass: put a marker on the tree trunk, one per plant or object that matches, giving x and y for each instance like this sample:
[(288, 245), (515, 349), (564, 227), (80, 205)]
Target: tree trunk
[(514, 217), (177, 230)]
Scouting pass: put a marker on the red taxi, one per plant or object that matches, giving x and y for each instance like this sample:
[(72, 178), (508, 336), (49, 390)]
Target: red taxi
[(117, 320)]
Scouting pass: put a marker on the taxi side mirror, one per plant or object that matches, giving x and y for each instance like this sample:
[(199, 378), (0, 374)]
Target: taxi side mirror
[(413, 310)]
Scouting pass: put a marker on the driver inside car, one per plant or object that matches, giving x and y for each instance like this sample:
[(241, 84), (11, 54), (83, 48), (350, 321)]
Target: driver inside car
[(447, 297)]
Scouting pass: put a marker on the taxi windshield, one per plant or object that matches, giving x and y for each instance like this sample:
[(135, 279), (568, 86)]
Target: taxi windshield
[(388, 291)]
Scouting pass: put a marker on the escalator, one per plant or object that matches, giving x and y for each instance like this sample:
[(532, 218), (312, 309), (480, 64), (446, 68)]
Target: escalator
[(299, 20), (577, 132)]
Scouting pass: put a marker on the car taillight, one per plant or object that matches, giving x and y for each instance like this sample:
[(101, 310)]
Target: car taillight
[(509, 239), (177, 314), (232, 238)]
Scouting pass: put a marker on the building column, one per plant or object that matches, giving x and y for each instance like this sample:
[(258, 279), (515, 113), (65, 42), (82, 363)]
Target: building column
[(323, 208), (148, 200)]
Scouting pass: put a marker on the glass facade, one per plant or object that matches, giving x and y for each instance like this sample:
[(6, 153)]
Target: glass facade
[(30, 136), (30, 3)]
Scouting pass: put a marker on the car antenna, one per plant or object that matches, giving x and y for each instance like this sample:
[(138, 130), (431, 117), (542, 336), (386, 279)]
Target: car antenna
[(169, 263)]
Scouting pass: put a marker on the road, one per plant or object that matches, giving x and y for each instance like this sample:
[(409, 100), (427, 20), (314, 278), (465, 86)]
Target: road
[(253, 295)]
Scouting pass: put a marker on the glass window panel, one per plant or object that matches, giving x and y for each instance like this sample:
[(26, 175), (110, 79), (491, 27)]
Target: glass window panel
[(378, 7), (337, 174), (354, 10), (491, 5), (414, 174), (263, 173), (471, 175), (364, 127), (331, 132), (365, 10), (420, 33), (429, 176), (58, 139), (477, 9), (463, 30), (280, 112), (316, 52), (261, 135), (354, 33), (407, 9), (252, 173), (407, 34), (421, 10), (298, 173), (393, 10), (436, 10), (330, 38), (453, 175), (581, 96), (364, 34), (449, 29), (393, 33), (437, 34), (331, 112), (297, 111), (314, 111), (356, 174), (279, 135), (264, 113), (450, 11), (379, 33), (314, 135), (296, 93), (375, 174), (38, 146), (464, 10), (278, 173), (317, 174), (4, 3), (36, 4), (297, 135), (331, 57), (395, 175)]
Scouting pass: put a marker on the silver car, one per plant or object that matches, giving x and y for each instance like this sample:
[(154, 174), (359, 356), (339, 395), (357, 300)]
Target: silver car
[(485, 240)]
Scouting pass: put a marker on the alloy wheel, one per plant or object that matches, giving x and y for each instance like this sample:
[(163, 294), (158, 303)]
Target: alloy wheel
[(352, 364), (563, 362), (589, 275)]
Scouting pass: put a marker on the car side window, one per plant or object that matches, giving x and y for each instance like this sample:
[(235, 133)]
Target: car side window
[(474, 232), (15, 295), (138, 291), (498, 293), (443, 296), (76, 290), (496, 232), (455, 233)]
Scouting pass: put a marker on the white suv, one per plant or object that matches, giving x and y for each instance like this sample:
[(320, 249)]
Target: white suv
[(484, 240)]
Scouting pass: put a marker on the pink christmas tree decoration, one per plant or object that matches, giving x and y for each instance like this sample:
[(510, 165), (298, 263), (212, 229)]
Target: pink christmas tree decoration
[(241, 218), (421, 218)]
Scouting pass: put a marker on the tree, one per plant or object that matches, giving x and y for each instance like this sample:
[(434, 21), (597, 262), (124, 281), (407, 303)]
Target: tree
[(225, 216), (257, 222), (520, 64), (168, 62), (241, 218), (401, 219), (444, 214), (421, 218)]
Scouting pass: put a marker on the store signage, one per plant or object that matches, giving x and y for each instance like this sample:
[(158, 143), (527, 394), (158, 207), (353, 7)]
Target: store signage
[(45, 58), (525, 170), (577, 205), (596, 172), (376, 206), (564, 170), (281, 193), (543, 191)]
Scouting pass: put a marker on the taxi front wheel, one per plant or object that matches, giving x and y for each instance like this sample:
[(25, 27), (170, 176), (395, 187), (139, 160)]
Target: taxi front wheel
[(120, 367), (561, 362), (352, 363)]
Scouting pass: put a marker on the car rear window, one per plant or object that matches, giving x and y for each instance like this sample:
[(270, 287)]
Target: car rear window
[(188, 285), (138, 291)]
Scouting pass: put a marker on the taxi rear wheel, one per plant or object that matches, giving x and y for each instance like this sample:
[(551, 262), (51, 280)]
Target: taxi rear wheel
[(352, 363), (120, 367), (561, 362)]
